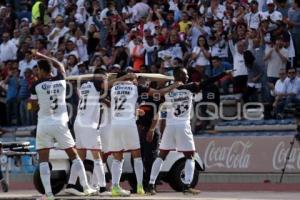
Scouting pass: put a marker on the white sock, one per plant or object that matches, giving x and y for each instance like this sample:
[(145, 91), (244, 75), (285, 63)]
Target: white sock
[(45, 177), (77, 170), (139, 170), (99, 172), (189, 170), (116, 172), (156, 167)]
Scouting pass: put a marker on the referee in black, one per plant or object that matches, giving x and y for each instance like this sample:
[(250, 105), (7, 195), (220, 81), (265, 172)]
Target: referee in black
[(149, 137)]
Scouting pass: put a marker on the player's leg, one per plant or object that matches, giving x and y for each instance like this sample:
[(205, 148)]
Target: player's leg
[(138, 169), (185, 143), (45, 171), (82, 154), (44, 141), (189, 169), (156, 167), (77, 170), (66, 141), (167, 143), (71, 188), (116, 172), (99, 172)]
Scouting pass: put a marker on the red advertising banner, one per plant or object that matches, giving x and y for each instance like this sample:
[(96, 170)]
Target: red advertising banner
[(248, 154)]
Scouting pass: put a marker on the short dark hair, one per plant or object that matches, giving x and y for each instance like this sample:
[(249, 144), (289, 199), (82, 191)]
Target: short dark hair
[(216, 58), (177, 72), (121, 74), (44, 65), (100, 71)]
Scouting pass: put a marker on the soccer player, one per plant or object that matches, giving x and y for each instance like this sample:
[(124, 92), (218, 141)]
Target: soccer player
[(49, 94), (177, 134), (124, 134), (86, 127)]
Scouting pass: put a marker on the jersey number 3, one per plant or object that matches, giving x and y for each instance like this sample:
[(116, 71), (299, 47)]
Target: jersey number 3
[(53, 99)]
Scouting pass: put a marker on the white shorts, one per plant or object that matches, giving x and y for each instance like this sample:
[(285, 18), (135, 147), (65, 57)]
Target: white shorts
[(48, 134), (177, 137), (87, 138), (105, 133), (124, 137)]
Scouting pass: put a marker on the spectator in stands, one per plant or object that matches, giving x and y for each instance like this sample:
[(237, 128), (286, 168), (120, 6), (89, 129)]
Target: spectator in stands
[(136, 49), (254, 16), (25, 83), (276, 57), (27, 62), (58, 31), (198, 28), (293, 22), (38, 12), (218, 41), (16, 38), (12, 81), (219, 67), (272, 15), (292, 88), (201, 55), (254, 77), (278, 92), (8, 49), (56, 7), (240, 74)]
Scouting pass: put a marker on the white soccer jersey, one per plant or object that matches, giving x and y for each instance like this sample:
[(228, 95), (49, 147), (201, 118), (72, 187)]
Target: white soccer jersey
[(179, 103), (51, 95), (124, 96), (88, 112)]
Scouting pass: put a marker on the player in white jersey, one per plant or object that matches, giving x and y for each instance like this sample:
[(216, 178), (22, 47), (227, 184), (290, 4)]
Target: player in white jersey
[(177, 134), (124, 134), (87, 133), (49, 95), (87, 126)]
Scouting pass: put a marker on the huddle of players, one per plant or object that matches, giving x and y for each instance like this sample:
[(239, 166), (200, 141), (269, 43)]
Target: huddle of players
[(119, 132)]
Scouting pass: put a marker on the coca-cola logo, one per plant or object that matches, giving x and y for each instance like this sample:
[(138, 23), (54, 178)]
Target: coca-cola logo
[(280, 155), (235, 156)]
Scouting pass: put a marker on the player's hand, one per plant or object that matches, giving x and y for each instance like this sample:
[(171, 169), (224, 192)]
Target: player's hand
[(230, 72), (178, 83), (140, 112), (149, 136), (131, 76)]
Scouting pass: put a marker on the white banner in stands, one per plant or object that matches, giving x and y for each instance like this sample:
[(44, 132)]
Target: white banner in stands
[(248, 154)]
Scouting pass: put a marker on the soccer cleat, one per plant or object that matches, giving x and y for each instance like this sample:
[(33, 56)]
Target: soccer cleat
[(140, 189), (151, 189), (89, 191), (188, 190), (47, 197), (71, 189), (117, 191), (104, 192)]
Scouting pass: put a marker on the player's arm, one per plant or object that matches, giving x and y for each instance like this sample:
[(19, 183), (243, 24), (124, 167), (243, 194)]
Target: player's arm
[(58, 65), (106, 102), (164, 90), (150, 133), (129, 76)]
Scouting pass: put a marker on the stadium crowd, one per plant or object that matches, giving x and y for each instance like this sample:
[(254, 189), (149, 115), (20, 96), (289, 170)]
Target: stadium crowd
[(259, 39)]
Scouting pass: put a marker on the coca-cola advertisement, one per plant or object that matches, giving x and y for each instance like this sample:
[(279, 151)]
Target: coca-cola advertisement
[(248, 154)]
